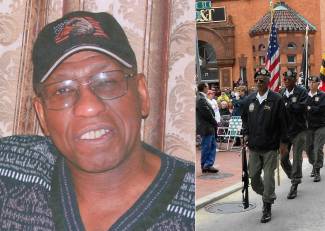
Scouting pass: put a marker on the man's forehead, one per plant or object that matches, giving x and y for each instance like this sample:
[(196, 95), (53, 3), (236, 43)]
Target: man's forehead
[(86, 55), (82, 63), (289, 78), (261, 77)]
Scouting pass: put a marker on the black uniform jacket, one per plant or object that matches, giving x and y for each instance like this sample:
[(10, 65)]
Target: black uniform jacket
[(316, 110), (296, 107), (205, 121), (266, 123)]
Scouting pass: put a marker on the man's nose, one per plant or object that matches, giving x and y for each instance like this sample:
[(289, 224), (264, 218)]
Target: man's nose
[(88, 104)]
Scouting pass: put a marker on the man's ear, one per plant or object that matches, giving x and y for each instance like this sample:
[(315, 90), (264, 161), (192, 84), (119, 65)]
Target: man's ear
[(39, 108), (143, 95)]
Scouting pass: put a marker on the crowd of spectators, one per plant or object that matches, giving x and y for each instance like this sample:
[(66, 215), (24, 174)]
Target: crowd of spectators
[(227, 102)]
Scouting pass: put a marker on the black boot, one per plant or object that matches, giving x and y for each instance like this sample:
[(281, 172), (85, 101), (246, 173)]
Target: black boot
[(317, 175), (266, 217), (293, 191), (312, 174)]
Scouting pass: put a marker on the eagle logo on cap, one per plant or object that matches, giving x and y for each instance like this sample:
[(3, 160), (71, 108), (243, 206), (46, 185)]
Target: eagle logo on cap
[(77, 27)]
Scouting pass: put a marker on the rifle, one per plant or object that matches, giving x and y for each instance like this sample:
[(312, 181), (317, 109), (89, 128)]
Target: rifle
[(245, 177)]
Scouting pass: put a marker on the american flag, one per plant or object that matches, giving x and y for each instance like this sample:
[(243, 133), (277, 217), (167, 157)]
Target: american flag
[(273, 59)]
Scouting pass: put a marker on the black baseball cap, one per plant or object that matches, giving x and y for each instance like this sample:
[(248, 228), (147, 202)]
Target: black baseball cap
[(262, 72), (77, 31)]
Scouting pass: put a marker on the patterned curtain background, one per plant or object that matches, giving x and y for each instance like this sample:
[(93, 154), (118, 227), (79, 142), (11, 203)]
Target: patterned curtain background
[(162, 33)]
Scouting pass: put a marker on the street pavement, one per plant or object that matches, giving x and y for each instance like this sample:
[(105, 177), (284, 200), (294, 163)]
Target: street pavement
[(229, 164), (304, 213)]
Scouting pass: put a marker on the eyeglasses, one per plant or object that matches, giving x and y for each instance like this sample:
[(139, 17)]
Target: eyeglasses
[(285, 78), (259, 80), (105, 85)]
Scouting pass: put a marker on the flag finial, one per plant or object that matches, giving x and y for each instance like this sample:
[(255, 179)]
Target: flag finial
[(271, 10)]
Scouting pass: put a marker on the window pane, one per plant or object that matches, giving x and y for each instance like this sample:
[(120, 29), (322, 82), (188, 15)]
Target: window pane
[(291, 58), (292, 46)]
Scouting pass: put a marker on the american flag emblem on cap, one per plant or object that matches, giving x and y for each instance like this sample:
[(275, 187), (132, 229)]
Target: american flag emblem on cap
[(78, 26)]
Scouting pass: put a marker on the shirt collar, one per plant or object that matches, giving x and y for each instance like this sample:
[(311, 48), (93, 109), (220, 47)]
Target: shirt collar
[(261, 98), (205, 95), (311, 94), (287, 93)]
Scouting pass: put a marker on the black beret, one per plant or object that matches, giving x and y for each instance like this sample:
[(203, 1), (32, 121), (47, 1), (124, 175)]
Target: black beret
[(314, 78), (262, 72), (290, 74)]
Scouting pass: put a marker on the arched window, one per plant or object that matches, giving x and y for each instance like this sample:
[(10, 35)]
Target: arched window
[(261, 47), (292, 45), (206, 52)]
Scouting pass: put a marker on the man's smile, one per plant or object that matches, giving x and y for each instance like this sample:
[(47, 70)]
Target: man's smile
[(94, 134)]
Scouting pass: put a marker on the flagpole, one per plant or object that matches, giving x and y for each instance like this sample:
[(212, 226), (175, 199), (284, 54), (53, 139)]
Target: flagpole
[(278, 156), (272, 12), (306, 49)]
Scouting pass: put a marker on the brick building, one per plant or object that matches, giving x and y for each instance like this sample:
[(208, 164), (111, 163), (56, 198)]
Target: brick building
[(236, 42)]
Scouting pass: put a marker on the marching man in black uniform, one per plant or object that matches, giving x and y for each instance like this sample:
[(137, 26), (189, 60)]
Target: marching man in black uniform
[(265, 131), (295, 98), (316, 126)]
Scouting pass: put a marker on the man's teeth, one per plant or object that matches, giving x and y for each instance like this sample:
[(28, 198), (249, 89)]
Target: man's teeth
[(94, 134)]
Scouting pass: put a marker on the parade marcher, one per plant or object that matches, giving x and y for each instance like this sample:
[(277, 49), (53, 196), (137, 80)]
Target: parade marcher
[(316, 126), (265, 131), (206, 124), (295, 98)]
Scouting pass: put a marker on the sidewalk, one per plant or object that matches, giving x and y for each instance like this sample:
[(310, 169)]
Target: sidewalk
[(212, 186), (304, 213)]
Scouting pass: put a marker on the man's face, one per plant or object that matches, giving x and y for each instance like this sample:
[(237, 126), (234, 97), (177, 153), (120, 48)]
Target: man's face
[(261, 82), (95, 135), (206, 88), (313, 85), (289, 82)]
